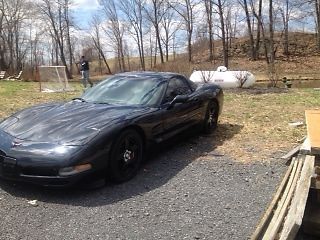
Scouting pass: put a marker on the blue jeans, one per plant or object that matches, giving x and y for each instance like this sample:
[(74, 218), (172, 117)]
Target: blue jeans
[(85, 78)]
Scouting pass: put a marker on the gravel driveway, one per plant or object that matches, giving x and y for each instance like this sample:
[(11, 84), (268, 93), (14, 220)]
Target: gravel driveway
[(186, 191)]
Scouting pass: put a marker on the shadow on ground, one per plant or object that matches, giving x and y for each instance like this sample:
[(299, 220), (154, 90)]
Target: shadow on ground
[(163, 163)]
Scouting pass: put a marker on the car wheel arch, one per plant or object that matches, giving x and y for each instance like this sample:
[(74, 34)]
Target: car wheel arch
[(139, 130), (216, 102), (136, 128), (205, 128), (112, 165)]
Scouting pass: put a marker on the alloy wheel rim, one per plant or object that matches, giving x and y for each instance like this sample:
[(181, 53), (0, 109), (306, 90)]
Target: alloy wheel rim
[(211, 118), (129, 155)]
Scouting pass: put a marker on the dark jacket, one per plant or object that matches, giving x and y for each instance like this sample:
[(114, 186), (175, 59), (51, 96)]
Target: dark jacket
[(84, 65)]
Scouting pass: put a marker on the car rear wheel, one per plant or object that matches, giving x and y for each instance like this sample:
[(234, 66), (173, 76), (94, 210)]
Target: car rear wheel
[(210, 121), (126, 156)]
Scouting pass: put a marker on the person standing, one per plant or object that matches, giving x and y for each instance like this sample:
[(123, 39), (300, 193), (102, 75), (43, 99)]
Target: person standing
[(84, 68)]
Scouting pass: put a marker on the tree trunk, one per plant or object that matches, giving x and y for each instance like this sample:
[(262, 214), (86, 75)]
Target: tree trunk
[(317, 7), (248, 19), (259, 29), (272, 70), (156, 27), (286, 29), (208, 5), (69, 45), (98, 47), (223, 35)]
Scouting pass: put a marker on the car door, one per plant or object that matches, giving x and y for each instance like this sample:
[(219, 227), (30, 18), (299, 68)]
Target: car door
[(181, 115)]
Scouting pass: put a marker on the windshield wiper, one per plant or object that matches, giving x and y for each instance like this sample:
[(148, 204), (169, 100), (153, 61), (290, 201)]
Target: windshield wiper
[(102, 103), (151, 91), (79, 99)]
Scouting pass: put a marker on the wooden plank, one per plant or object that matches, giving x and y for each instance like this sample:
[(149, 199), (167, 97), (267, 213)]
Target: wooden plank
[(313, 120), (265, 220), (279, 214), (299, 201), (315, 180), (305, 147), (293, 152)]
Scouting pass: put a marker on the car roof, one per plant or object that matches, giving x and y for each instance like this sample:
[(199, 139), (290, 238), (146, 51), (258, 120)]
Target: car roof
[(149, 74)]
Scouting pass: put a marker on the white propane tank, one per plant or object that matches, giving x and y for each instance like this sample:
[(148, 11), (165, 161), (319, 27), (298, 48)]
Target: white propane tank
[(224, 78)]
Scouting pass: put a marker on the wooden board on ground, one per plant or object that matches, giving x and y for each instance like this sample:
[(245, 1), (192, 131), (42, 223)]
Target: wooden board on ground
[(293, 152), (313, 120), (284, 215), (265, 220), (305, 147), (284, 203), (295, 215)]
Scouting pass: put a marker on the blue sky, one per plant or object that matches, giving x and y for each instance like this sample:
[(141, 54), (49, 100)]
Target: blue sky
[(83, 10)]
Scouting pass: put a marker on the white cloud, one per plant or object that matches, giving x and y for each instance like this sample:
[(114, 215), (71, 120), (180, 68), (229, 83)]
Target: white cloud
[(88, 5)]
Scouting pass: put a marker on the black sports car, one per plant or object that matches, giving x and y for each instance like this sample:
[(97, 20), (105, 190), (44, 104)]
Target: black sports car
[(107, 130)]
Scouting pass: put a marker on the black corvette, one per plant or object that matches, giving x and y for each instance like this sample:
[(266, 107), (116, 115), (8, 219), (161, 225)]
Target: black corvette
[(107, 130)]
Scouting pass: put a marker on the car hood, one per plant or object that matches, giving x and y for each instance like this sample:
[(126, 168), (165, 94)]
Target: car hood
[(71, 123)]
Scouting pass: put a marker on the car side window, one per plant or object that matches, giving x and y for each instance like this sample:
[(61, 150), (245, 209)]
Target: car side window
[(182, 87), (176, 86)]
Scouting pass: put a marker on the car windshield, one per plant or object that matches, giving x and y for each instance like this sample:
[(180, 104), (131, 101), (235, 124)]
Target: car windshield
[(126, 90)]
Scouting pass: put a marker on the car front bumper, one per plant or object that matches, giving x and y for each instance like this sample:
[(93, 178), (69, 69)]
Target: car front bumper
[(11, 171), (35, 167)]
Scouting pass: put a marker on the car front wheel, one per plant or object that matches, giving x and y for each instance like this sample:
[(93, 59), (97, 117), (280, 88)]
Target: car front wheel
[(126, 156), (210, 121)]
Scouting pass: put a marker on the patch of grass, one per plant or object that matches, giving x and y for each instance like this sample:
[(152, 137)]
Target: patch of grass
[(254, 124), (264, 121), (18, 95)]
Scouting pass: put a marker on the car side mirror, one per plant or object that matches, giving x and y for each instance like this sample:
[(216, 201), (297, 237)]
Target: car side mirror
[(178, 99)]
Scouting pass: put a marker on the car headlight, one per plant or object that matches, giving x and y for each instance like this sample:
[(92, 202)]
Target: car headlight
[(68, 171)]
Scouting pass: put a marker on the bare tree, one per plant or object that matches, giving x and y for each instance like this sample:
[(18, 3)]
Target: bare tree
[(254, 24), (96, 38), (289, 11), (285, 12), (220, 4), (53, 12), (133, 11), (206, 76), (245, 5), (35, 47), (170, 27), (68, 21), (316, 4), (271, 49), (209, 17), (3, 62), (155, 14), (151, 50), (242, 77), (259, 29), (231, 22), (12, 51), (186, 9), (115, 30)]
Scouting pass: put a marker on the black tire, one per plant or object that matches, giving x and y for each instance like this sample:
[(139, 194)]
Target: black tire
[(126, 156), (210, 121)]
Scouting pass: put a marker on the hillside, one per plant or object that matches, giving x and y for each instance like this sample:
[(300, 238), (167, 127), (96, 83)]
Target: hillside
[(302, 63)]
